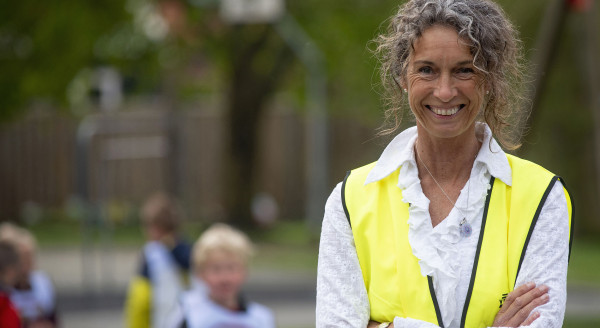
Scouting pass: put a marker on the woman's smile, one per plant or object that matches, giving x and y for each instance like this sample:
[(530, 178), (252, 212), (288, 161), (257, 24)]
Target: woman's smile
[(445, 111)]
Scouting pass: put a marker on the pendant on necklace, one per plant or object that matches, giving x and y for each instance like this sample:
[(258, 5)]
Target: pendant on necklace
[(465, 228)]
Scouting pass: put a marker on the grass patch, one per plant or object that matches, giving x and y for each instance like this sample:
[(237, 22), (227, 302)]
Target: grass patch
[(581, 323), (285, 246), (73, 233), (288, 233), (57, 233), (272, 256), (584, 266)]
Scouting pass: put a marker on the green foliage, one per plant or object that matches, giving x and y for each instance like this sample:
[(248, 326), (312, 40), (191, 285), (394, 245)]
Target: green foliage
[(44, 44), (64, 37), (343, 34)]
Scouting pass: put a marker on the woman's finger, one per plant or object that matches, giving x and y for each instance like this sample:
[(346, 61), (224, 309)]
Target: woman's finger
[(373, 324), (514, 295), (521, 306), (531, 319), (524, 315)]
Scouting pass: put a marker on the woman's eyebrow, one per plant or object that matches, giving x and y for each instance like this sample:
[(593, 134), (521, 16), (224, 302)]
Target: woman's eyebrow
[(427, 62), (424, 62), (465, 62)]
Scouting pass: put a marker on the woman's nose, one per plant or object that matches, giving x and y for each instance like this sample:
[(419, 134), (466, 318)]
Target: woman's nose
[(445, 89)]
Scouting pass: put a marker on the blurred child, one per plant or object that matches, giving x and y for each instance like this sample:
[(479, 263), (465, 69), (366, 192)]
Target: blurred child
[(162, 275), (33, 293), (9, 269), (220, 259)]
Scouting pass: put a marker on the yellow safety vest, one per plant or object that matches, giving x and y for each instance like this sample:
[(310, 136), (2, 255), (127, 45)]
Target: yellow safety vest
[(391, 273)]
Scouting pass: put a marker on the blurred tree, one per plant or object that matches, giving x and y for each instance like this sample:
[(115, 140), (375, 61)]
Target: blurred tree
[(253, 60), (562, 135), (259, 59), (189, 50)]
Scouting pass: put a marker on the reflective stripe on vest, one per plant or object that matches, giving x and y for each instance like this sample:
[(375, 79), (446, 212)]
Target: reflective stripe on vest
[(392, 274)]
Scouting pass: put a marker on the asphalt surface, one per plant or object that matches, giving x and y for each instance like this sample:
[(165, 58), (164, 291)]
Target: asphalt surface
[(91, 289)]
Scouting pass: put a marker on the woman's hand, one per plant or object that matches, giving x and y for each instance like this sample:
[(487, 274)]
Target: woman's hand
[(516, 310), (375, 324)]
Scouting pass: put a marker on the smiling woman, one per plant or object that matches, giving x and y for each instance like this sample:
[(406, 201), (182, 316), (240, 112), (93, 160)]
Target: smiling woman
[(446, 226), (496, 55)]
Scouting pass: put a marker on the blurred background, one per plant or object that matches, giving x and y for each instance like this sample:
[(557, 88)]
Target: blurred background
[(247, 112)]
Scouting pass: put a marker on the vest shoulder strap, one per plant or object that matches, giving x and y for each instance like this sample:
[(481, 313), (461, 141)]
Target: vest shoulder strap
[(359, 176), (377, 216), (506, 232), (527, 176)]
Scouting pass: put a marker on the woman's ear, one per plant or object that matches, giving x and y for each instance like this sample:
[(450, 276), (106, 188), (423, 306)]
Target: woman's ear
[(487, 87), (401, 84)]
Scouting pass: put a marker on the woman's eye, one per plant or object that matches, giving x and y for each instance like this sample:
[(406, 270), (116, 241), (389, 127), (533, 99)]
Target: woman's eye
[(425, 70), (465, 70)]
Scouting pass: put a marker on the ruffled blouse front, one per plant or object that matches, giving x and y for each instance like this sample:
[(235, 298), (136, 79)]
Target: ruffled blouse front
[(441, 250)]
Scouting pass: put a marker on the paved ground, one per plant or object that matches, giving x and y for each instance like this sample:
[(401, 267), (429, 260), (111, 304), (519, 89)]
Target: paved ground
[(97, 301)]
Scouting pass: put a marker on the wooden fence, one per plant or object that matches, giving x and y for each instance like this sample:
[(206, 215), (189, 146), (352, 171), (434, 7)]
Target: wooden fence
[(130, 155), (36, 162)]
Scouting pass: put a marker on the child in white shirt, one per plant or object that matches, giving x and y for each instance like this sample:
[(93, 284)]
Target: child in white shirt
[(220, 260)]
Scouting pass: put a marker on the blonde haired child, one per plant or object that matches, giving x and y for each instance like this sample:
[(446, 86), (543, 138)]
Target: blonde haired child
[(220, 259)]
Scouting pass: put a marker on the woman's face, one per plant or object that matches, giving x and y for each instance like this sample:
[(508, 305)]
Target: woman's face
[(444, 92)]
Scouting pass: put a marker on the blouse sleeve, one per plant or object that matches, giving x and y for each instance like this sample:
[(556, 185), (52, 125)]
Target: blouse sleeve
[(547, 257), (341, 295)]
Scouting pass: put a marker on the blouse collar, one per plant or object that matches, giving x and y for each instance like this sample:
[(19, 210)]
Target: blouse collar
[(400, 152)]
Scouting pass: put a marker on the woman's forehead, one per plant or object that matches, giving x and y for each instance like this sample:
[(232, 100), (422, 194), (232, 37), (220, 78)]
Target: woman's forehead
[(440, 43)]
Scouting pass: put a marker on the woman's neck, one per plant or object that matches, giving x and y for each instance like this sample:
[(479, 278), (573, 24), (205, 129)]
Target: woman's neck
[(448, 160)]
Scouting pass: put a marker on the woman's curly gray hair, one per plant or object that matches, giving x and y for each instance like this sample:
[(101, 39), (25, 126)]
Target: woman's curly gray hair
[(494, 44)]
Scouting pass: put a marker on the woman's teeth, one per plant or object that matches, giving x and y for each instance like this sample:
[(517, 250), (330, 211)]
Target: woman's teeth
[(445, 112)]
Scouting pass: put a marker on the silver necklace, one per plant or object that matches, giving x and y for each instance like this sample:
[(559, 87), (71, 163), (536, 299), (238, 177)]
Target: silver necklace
[(464, 227)]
